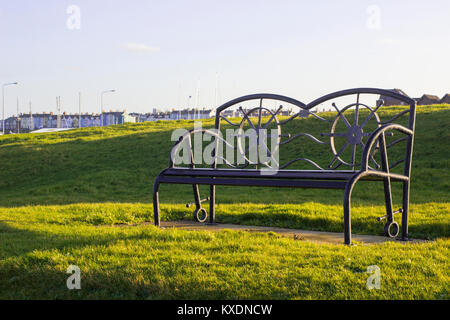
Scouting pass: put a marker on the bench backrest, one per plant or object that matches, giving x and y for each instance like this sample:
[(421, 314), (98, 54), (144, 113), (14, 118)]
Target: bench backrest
[(347, 118)]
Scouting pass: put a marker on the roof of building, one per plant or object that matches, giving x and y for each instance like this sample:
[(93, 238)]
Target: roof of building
[(445, 98), (400, 91), (391, 100), (430, 96)]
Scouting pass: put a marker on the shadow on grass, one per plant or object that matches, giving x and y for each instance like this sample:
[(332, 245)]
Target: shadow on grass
[(360, 224), (34, 267), (152, 264)]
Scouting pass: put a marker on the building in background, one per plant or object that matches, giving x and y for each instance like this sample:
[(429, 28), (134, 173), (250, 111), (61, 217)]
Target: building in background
[(138, 117), (428, 99), (31, 122), (389, 101), (446, 99), (230, 113), (191, 114), (117, 117)]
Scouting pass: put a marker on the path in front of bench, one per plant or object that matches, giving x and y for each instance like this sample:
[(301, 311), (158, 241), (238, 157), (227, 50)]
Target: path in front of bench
[(296, 234)]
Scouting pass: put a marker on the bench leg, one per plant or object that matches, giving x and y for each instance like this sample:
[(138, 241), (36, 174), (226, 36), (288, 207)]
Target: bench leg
[(212, 204), (405, 210), (197, 200), (388, 199), (347, 216), (347, 207), (156, 203)]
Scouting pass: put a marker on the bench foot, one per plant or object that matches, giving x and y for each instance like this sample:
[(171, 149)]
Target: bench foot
[(200, 215), (391, 229)]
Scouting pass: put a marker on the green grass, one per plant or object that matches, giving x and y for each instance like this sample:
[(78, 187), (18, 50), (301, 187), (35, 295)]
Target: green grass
[(119, 163), (143, 262), (61, 194)]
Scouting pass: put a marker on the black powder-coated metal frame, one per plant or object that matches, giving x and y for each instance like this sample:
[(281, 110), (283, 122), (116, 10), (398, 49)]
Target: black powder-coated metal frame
[(321, 178)]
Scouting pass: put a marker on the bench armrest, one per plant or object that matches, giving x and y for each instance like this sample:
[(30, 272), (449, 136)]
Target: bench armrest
[(378, 135)]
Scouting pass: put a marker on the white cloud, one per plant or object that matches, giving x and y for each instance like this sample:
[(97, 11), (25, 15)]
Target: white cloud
[(139, 47)]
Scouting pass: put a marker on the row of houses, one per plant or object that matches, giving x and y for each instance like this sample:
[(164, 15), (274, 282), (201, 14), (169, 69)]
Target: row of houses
[(231, 113), (186, 114), (30, 122), (426, 99), (195, 114)]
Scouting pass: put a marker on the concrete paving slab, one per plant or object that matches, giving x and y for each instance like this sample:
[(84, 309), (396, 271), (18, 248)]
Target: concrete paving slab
[(296, 234)]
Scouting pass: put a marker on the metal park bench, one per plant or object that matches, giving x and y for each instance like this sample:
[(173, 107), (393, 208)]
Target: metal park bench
[(358, 130)]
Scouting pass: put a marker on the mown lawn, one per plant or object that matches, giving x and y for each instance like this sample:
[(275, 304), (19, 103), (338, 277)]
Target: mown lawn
[(75, 197), (143, 262)]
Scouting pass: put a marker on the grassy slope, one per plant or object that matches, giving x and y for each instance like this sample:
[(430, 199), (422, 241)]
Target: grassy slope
[(144, 262), (118, 164)]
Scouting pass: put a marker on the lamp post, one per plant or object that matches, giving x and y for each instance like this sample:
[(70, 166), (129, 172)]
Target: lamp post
[(187, 107), (101, 103), (79, 109), (3, 97), (18, 117)]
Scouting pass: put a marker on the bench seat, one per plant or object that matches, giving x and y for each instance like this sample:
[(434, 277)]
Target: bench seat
[(254, 174)]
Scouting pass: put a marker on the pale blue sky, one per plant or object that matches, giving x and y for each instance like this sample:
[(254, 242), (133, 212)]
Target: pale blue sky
[(156, 52)]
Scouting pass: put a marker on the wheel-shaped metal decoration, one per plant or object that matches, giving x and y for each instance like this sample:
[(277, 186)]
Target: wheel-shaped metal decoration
[(200, 215), (352, 134), (254, 119), (391, 229)]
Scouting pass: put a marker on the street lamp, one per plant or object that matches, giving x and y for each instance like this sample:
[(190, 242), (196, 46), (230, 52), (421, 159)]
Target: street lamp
[(101, 105), (3, 105), (187, 107)]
